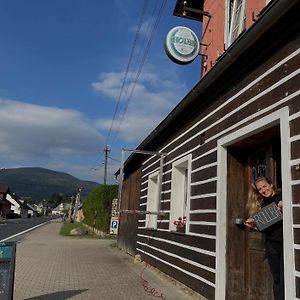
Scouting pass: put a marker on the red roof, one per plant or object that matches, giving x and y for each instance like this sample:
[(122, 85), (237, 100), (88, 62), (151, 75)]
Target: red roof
[(4, 189)]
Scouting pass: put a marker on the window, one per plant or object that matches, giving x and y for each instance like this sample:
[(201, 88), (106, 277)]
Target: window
[(180, 192), (152, 201), (235, 20)]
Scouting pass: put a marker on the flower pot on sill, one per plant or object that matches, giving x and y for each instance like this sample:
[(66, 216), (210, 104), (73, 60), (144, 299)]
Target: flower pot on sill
[(180, 229)]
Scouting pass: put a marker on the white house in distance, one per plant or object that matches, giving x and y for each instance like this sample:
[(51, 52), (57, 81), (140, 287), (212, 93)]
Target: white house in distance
[(61, 208), (17, 207)]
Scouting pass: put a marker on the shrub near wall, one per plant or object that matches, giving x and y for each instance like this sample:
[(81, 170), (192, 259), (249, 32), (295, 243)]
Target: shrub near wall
[(97, 206)]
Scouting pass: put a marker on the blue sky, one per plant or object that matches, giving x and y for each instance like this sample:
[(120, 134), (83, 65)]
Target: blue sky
[(63, 64)]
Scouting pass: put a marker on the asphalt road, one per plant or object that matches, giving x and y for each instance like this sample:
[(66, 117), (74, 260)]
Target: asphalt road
[(14, 229)]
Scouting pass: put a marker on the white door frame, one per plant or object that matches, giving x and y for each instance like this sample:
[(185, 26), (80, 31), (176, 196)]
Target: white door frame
[(280, 117)]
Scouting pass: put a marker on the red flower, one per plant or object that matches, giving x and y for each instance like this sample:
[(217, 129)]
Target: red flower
[(180, 222)]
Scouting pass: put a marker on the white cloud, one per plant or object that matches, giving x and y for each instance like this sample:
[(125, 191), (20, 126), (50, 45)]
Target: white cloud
[(153, 98), (37, 132), (146, 27)]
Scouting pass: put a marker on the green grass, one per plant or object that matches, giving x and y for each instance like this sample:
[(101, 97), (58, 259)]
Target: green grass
[(67, 227)]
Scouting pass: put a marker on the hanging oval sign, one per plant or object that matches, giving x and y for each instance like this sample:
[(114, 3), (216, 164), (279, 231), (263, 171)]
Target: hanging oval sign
[(182, 45)]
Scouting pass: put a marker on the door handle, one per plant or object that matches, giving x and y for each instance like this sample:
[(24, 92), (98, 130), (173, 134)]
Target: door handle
[(240, 223)]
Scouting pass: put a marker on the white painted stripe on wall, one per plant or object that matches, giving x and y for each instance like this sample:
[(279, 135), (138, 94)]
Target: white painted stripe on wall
[(295, 138), (167, 181), (165, 192), (205, 154), (203, 211), (294, 116), (176, 267), (204, 167), (257, 114), (206, 236), (203, 223), (204, 181), (149, 173), (191, 262), (204, 196), (198, 250), (294, 162)]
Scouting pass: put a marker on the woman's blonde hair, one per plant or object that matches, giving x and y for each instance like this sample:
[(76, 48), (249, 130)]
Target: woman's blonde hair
[(255, 200)]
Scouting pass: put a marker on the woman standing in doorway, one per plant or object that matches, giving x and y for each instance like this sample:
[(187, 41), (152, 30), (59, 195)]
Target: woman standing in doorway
[(261, 194)]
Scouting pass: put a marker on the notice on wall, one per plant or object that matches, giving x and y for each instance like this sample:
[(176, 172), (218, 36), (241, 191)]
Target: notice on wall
[(114, 222), (7, 269), (267, 216)]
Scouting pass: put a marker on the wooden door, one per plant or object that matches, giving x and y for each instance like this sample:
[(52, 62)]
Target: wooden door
[(127, 236), (248, 275)]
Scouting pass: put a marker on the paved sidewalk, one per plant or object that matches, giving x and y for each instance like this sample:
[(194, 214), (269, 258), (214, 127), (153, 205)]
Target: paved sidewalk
[(52, 267)]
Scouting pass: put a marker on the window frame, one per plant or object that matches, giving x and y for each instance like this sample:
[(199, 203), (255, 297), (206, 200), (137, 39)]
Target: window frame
[(153, 197), (180, 191), (235, 17)]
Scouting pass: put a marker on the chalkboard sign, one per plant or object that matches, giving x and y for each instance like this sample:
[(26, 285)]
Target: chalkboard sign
[(7, 269), (267, 216)]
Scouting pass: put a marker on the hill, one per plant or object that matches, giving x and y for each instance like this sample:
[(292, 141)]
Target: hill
[(40, 183)]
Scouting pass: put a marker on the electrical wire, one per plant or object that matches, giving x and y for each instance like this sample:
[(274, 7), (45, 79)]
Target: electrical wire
[(127, 68), (137, 60), (140, 68)]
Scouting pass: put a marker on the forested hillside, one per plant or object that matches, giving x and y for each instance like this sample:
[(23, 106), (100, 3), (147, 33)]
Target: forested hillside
[(40, 183)]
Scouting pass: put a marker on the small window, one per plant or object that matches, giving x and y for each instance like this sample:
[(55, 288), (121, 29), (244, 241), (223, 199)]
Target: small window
[(180, 194), (152, 201), (235, 20)]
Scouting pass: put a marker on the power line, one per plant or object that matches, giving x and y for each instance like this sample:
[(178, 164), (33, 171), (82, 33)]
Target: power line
[(137, 60), (139, 65), (140, 68), (128, 66)]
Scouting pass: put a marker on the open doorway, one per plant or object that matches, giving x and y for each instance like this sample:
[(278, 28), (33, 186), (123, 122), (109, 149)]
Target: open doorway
[(247, 271)]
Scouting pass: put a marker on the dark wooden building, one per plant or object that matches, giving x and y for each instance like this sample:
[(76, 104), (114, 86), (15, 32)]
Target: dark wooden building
[(4, 203), (241, 120)]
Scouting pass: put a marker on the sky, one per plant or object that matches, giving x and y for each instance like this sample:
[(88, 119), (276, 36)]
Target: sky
[(79, 75)]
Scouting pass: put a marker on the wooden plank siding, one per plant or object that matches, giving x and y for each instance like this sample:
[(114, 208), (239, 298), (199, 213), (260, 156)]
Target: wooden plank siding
[(191, 257)]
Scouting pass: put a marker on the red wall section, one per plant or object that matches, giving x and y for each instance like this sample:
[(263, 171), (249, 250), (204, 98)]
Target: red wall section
[(213, 29)]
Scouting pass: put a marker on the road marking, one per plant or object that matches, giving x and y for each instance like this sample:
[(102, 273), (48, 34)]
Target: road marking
[(29, 229)]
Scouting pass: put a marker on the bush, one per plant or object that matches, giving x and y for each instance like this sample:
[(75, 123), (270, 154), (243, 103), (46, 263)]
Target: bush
[(97, 206)]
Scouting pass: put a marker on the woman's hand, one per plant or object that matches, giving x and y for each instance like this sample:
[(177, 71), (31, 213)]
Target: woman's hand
[(249, 222), (280, 205)]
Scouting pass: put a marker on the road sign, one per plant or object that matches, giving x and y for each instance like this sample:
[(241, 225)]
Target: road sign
[(7, 269), (114, 225)]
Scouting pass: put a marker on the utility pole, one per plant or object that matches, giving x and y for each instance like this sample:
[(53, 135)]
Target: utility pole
[(76, 205), (106, 152)]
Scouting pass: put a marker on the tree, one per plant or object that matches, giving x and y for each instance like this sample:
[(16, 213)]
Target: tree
[(97, 206)]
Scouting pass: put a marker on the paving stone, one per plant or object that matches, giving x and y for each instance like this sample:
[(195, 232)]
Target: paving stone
[(53, 267)]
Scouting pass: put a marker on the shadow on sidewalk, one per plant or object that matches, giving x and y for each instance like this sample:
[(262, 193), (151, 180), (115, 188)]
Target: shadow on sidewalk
[(58, 295)]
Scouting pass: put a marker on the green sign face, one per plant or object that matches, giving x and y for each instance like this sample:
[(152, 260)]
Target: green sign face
[(182, 45), (5, 252)]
